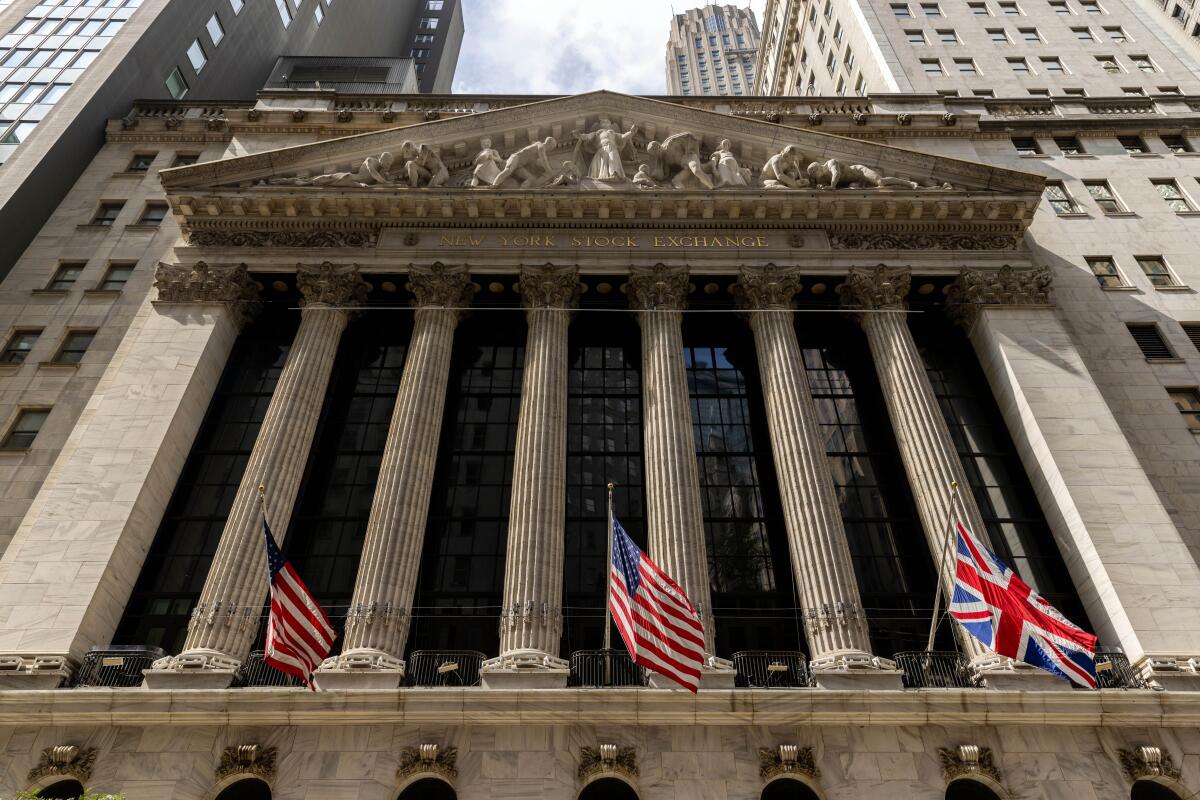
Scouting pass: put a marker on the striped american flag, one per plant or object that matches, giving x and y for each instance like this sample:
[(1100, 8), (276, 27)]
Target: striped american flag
[(658, 623), (299, 635)]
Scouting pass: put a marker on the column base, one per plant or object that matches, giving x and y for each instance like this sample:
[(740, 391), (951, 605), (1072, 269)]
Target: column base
[(717, 674), (360, 669), (856, 671), (33, 672), (525, 669), (1173, 673), (1003, 674), (194, 669)]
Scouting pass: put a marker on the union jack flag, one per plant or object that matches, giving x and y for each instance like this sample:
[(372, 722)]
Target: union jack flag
[(1004, 613)]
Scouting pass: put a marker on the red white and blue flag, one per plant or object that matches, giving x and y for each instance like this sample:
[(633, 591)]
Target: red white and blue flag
[(658, 623), (299, 635), (1005, 614)]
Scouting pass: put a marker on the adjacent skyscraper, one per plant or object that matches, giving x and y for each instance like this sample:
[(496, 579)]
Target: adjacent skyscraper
[(711, 51)]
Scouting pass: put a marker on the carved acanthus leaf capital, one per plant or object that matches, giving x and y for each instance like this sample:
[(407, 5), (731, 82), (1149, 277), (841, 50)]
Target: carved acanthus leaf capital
[(879, 289), (968, 760), (787, 759), (975, 288), (65, 759), (608, 759), (247, 759), (440, 285), (229, 285), (658, 288), (428, 759), (327, 284), (549, 287), (771, 287), (1148, 761)]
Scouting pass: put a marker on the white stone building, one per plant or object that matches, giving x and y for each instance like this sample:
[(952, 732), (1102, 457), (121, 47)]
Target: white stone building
[(435, 383), (712, 51)]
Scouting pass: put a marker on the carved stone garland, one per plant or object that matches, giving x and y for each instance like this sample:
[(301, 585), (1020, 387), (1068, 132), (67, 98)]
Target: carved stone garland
[(1148, 762), (66, 760), (428, 758), (975, 288), (967, 761), (314, 238), (925, 241), (787, 759), (608, 759), (247, 759), (230, 285)]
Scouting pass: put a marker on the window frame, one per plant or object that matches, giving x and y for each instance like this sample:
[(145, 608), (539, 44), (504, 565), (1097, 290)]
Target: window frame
[(1157, 279), (23, 413), (1191, 415), (66, 352), (1116, 274), (12, 352), (1118, 205)]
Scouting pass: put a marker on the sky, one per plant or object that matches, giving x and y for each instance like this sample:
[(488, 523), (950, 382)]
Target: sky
[(568, 46)]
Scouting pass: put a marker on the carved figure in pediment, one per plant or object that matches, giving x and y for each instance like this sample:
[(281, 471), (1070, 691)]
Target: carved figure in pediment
[(784, 170), (530, 165), (373, 171), (568, 175), (423, 166), (677, 160), (725, 168), (487, 165), (642, 178), (835, 174), (601, 153)]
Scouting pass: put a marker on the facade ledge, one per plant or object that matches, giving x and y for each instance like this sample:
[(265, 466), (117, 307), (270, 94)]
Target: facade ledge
[(1080, 156), (57, 366), (1181, 288), (1187, 155), (91, 226), (1122, 214), (1166, 361), (129, 174), (1045, 156), (1075, 215), (102, 292), (139, 228), (9, 369), (13, 454), (1145, 155), (1187, 213), (1132, 289)]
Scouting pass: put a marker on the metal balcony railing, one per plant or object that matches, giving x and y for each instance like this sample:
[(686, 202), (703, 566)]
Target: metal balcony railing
[(1113, 670), (116, 666), (605, 668), (771, 669), (934, 670), (444, 668), (256, 672)]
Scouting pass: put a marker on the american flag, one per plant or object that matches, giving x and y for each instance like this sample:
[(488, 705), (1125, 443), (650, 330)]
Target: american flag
[(1004, 613), (658, 623), (299, 635)]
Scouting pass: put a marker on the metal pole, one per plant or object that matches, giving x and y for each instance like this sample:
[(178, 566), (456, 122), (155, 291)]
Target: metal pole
[(608, 591), (937, 596)]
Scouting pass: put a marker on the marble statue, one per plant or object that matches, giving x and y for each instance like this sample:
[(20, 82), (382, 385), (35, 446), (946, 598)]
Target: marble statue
[(530, 165), (784, 171), (423, 166), (642, 179), (677, 160), (373, 171), (606, 147), (568, 175), (835, 174), (487, 165), (725, 167)]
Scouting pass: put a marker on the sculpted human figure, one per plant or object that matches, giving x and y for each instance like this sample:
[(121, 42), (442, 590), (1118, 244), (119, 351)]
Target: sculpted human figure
[(784, 170), (642, 179), (530, 165), (834, 173), (607, 146), (725, 167), (677, 159), (568, 175), (371, 172), (422, 165), (488, 163)]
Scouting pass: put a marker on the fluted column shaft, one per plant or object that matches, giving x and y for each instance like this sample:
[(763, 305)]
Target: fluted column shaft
[(930, 458), (378, 624), (674, 515), (821, 561), (531, 621), (226, 619)]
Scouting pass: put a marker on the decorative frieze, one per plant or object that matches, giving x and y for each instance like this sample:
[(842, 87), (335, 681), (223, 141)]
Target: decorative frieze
[(229, 285), (975, 288), (66, 760), (925, 241), (1148, 761), (311, 238), (247, 759), (968, 761), (328, 284), (659, 288), (608, 759), (879, 289), (428, 759), (787, 759)]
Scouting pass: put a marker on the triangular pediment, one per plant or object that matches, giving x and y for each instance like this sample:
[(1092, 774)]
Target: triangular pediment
[(651, 146)]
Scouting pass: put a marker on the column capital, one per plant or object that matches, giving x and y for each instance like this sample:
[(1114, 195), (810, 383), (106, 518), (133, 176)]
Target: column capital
[(658, 288), (879, 289), (549, 286), (440, 285), (975, 288), (226, 284), (330, 284), (770, 287)]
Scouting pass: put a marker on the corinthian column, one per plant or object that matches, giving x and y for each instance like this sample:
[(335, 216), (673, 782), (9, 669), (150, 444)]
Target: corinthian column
[(225, 621), (833, 615), (531, 619), (378, 622)]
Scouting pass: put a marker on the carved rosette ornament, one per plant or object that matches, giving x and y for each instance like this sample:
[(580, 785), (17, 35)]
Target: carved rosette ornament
[(658, 288), (65, 760), (1148, 762), (549, 287), (975, 288), (608, 759), (229, 285), (771, 287), (331, 285), (247, 759), (968, 761), (787, 759), (428, 759), (440, 286), (879, 289)]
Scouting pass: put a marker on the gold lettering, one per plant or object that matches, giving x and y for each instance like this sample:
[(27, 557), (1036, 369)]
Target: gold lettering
[(658, 242), (576, 241), (762, 241)]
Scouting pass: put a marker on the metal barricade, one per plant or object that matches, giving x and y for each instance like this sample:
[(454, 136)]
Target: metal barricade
[(116, 666), (444, 668), (605, 668), (255, 671), (771, 669), (934, 670)]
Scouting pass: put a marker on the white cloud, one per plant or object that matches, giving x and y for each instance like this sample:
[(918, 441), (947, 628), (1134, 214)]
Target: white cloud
[(567, 46)]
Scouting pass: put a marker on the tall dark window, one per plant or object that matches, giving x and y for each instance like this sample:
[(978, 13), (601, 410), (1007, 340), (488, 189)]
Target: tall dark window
[(1015, 523), (461, 585), (178, 562), (892, 561), (604, 444), (753, 594)]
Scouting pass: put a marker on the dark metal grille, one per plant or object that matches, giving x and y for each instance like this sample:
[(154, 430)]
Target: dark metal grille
[(1151, 342), (934, 670), (444, 668), (606, 668), (1113, 670), (771, 669), (256, 672), (116, 666), (1192, 329)]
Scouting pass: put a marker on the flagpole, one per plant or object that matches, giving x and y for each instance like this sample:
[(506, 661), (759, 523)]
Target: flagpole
[(937, 596), (608, 592)]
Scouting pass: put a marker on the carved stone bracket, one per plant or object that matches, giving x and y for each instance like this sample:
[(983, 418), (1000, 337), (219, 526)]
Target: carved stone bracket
[(968, 760), (67, 760), (658, 288), (229, 285), (1148, 762), (771, 287), (882, 288), (608, 759), (549, 287), (787, 759), (439, 285), (328, 284), (247, 759), (428, 758), (925, 241), (315, 238), (976, 288)]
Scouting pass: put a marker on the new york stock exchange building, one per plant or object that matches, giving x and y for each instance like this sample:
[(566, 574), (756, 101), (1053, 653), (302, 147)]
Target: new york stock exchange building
[(798, 337)]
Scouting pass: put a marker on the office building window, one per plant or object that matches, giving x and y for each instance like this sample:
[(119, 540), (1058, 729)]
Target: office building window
[(1010, 9), (932, 66), (107, 213), (1052, 65), (1039, 92), (983, 92), (1133, 91), (1059, 199), (140, 162), (1133, 144), (418, 52), (1102, 193), (116, 277), (215, 31), (1060, 7), (1030, 35), (1027, 146), (1116, 34), (1019, 65), (1188, 403), (979, 9), (1176, 144), (965, 66), (1192, 329), (176, 85), (237, 6), (196, 55), (1084, 34), (18, 347), (285, 12), (998, 35), (947, 37), (153, 214), (429, 23), (1150, 341), (74, 346), (319, 14), (1156, 269), (1143, 63), (1091, 7), (185, 159), (434, 5), (65, 276), (25, 429), (901, 10), (428, 38), (1075, 92), (931, 9), (1106, 272)]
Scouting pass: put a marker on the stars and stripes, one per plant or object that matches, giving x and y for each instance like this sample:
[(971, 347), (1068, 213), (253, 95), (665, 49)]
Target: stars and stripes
[(1004, 613), (299, 635), (660, 627)]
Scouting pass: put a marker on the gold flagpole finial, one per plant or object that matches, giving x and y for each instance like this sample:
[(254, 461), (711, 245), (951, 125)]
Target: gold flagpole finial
[(612, 486)]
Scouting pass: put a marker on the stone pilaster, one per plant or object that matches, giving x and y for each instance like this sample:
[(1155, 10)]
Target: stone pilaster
[(975, 290), (225, 621), (378, 622), (833, 615), (531, 619), (227, 285)]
